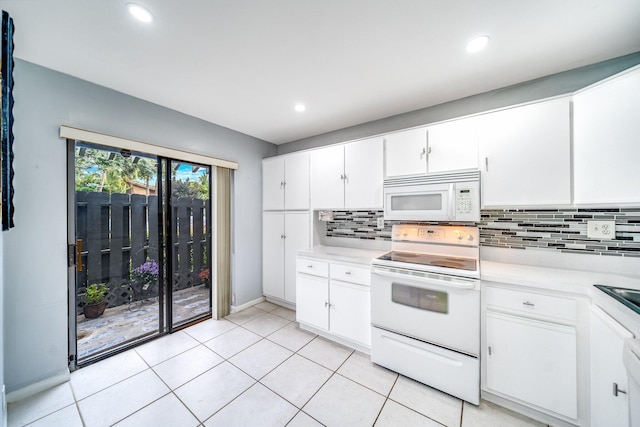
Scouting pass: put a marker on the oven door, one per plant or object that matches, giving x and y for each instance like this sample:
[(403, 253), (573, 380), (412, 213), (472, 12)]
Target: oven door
[(438, 309), (431, 202)]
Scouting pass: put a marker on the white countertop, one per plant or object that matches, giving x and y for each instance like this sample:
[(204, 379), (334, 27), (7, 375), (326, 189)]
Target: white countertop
[(338, 253), (556, 279)]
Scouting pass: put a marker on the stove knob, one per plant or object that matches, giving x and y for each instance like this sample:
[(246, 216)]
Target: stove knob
[(469, 237), (459, 235)]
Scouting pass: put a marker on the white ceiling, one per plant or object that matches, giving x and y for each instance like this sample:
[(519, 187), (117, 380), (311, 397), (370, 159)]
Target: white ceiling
[(243, 64)]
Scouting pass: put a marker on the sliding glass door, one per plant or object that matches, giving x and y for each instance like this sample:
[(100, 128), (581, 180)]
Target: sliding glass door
[(189, 198), (139, 254)]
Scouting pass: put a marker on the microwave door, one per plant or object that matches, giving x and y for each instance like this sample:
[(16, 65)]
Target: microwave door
[(419, 203)]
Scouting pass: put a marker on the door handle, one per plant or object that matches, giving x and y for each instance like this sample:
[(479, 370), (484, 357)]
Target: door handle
[(79, 255), (616, 390)]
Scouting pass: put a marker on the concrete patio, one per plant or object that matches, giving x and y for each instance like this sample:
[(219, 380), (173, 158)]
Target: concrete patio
[(130, 321)]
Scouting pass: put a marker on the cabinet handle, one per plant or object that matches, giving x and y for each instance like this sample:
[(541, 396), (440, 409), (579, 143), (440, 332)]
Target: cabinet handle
[(326, 304), (341, 177), (489, 350), (423, 152), (528, 304), (281, 184), (282, 236), (310, 266), (486, 164), (348, 273), (616, 390)]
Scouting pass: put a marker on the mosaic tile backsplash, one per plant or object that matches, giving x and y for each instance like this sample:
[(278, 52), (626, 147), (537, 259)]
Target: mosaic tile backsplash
[(562, 230)]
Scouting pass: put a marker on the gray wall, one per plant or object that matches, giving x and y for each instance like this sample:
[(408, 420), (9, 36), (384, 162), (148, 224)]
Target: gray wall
[(35, 299), (556, 84)]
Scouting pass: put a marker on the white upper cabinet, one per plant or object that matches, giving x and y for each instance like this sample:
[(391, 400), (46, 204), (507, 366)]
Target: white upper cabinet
[(525, 155), (444, 147), (406, 153), (453, 146), (606, 120), (363, 164), (296, 181), (327, 177), (273, 183), (285, 181), (347, 176)]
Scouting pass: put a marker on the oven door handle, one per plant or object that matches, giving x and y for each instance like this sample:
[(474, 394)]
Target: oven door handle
[(469, 286)]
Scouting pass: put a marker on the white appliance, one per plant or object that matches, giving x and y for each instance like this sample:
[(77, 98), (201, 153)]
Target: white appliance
[(425, 307), (446, 197), (631, 359)]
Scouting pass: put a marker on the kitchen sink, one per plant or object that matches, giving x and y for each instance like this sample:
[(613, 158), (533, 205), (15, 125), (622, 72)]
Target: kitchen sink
[(628, 297)]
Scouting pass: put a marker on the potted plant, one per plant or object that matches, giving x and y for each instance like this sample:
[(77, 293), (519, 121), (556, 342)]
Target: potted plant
[(144, 280), (95, 301), (204, 277)]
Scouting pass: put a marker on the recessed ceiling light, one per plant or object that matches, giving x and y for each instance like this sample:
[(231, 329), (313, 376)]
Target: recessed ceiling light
[(300, 108), (139, 12), (477, 44)]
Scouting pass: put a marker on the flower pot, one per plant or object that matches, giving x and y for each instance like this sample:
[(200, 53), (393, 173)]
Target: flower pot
[(94, 310)]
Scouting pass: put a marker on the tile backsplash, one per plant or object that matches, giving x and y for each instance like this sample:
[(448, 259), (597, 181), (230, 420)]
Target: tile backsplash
[(562, 230)]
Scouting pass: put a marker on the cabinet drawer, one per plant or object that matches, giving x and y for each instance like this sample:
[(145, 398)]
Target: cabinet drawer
[(312, 267), (532, 303), (351, 273)]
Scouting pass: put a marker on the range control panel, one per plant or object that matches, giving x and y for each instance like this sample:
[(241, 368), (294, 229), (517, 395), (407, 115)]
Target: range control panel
[(444, 234)]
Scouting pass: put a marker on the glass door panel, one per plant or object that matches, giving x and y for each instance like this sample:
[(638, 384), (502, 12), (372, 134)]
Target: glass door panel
[(118, 297), (190, 236)]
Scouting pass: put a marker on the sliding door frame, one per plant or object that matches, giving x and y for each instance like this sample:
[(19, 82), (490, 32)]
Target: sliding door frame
[(164, 155)]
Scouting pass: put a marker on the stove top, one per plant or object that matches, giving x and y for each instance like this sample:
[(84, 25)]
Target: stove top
[(442, 249), (468, 264)]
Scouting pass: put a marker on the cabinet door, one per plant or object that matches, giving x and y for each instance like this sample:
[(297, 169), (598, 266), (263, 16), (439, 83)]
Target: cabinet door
[(296, 231), (312, 301), (606, 148), (296, 178), (327, 178), (406, 153), (273, 254), (273, 183), (607, 340), (453, 146), (349, 312), (525, 155), (533, 361), (363, 166)]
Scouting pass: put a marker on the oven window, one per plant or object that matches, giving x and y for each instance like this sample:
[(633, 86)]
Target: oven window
[(417, 202), (424, 299)]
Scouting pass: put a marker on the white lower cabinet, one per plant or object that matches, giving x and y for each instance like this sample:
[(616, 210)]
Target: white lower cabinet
[(349, 313), (283, 234), (334, 300), (530, 350), (609, 391), (533, 361), (312, 301)]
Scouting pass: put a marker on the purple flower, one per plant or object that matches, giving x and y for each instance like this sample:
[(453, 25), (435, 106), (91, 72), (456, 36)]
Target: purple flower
[(146, 273)]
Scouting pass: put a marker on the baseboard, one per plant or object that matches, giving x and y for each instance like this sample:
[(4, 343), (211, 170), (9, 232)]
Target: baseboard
[(38, 387), (4, 408), (281, 303), (236, 308)]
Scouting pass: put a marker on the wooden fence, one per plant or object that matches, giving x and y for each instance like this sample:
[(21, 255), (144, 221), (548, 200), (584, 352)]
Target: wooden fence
[(119, 232)]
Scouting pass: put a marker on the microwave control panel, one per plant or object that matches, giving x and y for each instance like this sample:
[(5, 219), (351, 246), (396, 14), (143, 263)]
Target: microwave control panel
[(467, 201)]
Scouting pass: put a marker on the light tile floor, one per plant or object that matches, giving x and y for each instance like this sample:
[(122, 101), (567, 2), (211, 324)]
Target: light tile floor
[(255, 368)]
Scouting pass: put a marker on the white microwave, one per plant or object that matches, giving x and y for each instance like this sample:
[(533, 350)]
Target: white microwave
[(447, 197)]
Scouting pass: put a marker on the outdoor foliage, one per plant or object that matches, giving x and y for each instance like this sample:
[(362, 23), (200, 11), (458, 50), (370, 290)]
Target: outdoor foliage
[(95, 171), (95, 293)]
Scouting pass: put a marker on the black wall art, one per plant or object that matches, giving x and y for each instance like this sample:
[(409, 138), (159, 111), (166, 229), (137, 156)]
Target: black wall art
[(6, 140)]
